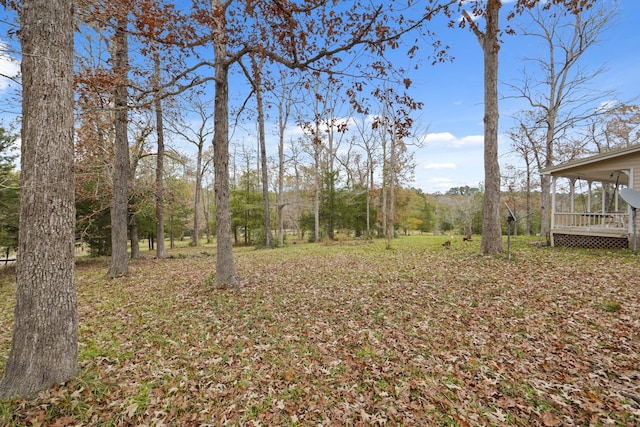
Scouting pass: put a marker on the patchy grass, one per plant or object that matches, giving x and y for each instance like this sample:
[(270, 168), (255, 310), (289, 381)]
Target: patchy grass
[(351, 333)]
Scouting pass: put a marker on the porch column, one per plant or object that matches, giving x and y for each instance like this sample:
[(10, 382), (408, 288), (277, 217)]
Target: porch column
[(553, 201), (572, 201), (589, 196), (604, 204), (572, 192), (629, 213)]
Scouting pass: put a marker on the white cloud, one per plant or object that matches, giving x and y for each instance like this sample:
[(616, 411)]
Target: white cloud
[(9, 67), (449, 139), (440, 166), (439, 137), (471, 140)]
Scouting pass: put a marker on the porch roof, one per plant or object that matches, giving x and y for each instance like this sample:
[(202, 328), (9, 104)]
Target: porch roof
[(599, 167)]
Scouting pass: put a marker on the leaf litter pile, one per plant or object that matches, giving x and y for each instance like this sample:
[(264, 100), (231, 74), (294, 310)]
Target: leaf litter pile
[(352, 334)]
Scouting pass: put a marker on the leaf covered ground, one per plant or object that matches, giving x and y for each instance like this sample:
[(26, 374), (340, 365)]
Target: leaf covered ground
[(352, 334)]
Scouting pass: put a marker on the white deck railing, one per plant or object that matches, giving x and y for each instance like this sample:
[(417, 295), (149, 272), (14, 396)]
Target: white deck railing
[(591, 219)]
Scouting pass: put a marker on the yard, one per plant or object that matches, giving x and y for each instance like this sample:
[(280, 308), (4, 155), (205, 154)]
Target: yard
[(352, 334)]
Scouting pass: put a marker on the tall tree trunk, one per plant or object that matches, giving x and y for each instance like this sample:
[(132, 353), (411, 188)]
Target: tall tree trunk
[(383, 189), (528, 195), (316, 192), (284, 109), (369, 190), (195, 239), (119, 207), (329, 201), (161, 252), (247, 230), (225, 266), (205, 205), (491, 228), (281, 185), (545, 180), (45, 338), (392, 187), (263, 151)]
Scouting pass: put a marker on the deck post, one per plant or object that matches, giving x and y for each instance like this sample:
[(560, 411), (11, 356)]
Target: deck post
[(572, 192), (604, 204), (631, 185), (553, 200)]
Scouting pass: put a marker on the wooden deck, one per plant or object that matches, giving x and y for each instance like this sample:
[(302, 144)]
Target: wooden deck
[(609, 230)]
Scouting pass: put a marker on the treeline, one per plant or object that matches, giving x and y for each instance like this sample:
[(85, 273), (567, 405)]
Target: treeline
[(347, 208)]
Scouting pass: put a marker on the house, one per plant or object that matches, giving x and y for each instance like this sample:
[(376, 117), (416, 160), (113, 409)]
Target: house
[(586, 207)]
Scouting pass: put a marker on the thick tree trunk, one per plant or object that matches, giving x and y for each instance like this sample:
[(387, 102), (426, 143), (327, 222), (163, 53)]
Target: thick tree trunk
[(161, 252), (45, 340), (491, 228), (119, 205), (225, 266)]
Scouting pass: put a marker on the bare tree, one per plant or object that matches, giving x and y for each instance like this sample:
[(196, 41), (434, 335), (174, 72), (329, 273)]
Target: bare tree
[(393, 126), (45, 334), (284, 105), (522, 147), (368, 142), (325, 134), (557, 88), (255, 77), (618, 126), (139, 151), (466, 206), (197, 134)]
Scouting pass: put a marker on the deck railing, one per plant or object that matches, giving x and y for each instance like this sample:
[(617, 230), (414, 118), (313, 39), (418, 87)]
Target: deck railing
[(591, 219)]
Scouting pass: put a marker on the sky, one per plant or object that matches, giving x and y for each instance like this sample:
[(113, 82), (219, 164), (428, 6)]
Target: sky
[(452, 118), (453, 96)]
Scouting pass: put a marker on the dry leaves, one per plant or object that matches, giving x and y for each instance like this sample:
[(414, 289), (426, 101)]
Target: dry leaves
[(355, 335)]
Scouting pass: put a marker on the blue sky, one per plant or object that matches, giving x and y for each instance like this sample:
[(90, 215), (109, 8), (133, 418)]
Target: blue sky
[(452, 94)]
